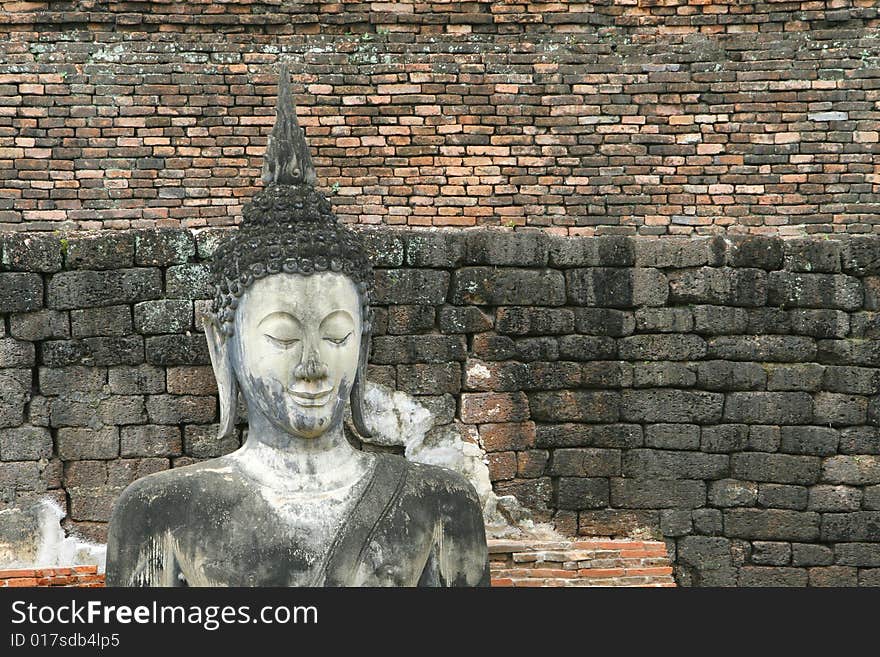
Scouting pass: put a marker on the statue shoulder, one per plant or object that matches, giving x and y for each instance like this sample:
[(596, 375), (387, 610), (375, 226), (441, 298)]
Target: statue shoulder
[(444, 484)]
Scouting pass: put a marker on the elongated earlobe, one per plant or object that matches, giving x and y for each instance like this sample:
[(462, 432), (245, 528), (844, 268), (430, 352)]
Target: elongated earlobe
[(357, 390), (227, 386)]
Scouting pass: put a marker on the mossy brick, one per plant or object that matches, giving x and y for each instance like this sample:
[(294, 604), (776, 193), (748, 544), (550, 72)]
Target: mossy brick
[(800, 376), (720, 375), (663, 375), (575, 493), (150, 441), (39, 325), (661, 347), (755, 251), (537, 349), (724, 438), (615, 287), (859, 440), (768, 408), (673, 464), (589, 435), (673, 436), (726, 493), (771, 524), (20, 292), (800, 290), (190, 281), (771, 553), (527, 248), (860, 255), (163, 316), (105, 321), (820, 323), (775, 468), (384, 248), (506, 286), (99, 250), (719, 320), (762, 576), (93, 352), (160, 247), (533, 321), (664, 320), (406, 320), (598, 406), (670, 405), (166, 350), (464, 319), (834, 498), (587, 347), (30, 252), (434, 249), (25, 443), (84, 289), (410, 286), (857, 554), (812, 255), (855, 470), (721, 286)]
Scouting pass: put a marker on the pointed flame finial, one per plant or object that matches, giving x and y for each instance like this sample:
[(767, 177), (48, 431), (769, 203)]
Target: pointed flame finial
[(287, 160)]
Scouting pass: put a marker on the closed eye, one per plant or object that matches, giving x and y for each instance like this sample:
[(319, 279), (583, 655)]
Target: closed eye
[(338, 340), (283, 342)]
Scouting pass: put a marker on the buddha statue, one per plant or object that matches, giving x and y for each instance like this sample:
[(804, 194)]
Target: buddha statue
[(298, 504)]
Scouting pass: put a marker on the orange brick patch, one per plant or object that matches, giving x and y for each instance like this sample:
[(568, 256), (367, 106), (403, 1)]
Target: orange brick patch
[(80, 576), (600, 562)]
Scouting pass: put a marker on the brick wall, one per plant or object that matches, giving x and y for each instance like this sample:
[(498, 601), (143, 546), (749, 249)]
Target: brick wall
[(82, 576), (718, 393), (632, 117)]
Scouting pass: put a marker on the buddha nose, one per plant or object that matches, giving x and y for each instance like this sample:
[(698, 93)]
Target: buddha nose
[(310, 367)]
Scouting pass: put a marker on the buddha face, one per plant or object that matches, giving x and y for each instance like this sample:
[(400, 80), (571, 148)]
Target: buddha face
[(295, 349)]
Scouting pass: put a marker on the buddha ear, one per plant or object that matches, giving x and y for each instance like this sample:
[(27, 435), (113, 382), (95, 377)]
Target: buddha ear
[(227, 386), (358, 389)]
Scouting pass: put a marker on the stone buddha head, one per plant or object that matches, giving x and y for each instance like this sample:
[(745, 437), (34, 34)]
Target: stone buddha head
[(289, 327)]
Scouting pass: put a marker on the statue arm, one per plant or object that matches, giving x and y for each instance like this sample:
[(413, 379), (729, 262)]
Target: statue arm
[(463, 557)]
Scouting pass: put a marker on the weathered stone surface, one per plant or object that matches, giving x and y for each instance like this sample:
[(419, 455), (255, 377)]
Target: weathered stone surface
[(783, 496), (839, 410), (663, 375), (586, 435), (575, 406), (494, 407), (718, 286), (707, 561), (800, 376), (410, 286), (657, 494), (720, 320), (99, 250), (83, 289), (177, 350), (779, 348), (797, 290), (724, 438), (140, 379), (163, 316), (768, 407), (766, 576), (150, 441), (489, 376), (662, 405), (202, 441), (16, 353), (107, 321), (664, 320), (417, 349), (538, 349), (732, 492), (189, 380), (520, 248), (94, 352), (602, 251), (61, 380), (834, 498), (674, 252), (724, 375), (385, 248), (464, 319), (39, 325), (854, 526), (192, 281), (811, 255), (755, 251), (771, 553), (20, 292), (771, 524), (160, 247), (178, 409), (428, 379), (30, 252), (808, 554), (533, 321), (616, 287), (513, 287), (77, 443), (857, 470), (673, 436), (586, 462), (857, 554), (661, 347), (819, 441), (25, 443), (659, 464), (775, 468), (430, 249), (604, 321)]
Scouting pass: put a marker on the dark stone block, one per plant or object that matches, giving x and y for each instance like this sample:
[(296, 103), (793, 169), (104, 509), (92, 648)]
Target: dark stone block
[(861, 255), (64, 380), (20, 292), (39, 325), (406, 320), (659, 464), (718, 286), (163, 316), (616, 287), (587, 347), (857, 554), (575, 406), (724, 438), (661, 347), (159, 247), (493, 347), (859, 440), (707, 560), (618, 522), (834, 498), (25, 443), (433, 379), (801, 376), (177, 350), (820, 323), (410, 286), (30, 252), (771, 525), (859, 470), (771, 553), (851, 380), (720, 320), (767, 321), (434, 249), (603, 321), (854, 526), (515, 287), (106, 321), (84, 289), (202, 441), (577, 493), (150, 441), (16, 353), (810, 554), (489, 376), (818, 441), (675, 253), (657, 494), (586, 462), (663, 375), (589, 435), (138, 380), (768, 407), (673, 436), (836, 576), (795, 290), (78, 443), (763, 438), (756, 251), (528, 248), (664, 320), (732, 492), (768, 576), (676, 522), (602, 251), (418, 349), (779, 348), (93, 352), (177, 409), (532, 493), (464, 319), (564, 374), (534, 321), (101, 250), (724, 375), (384, 247), (776, 468), (190, 282), (537, 349), (660, 405), (812, 255), (782, 496), (838, 410)]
